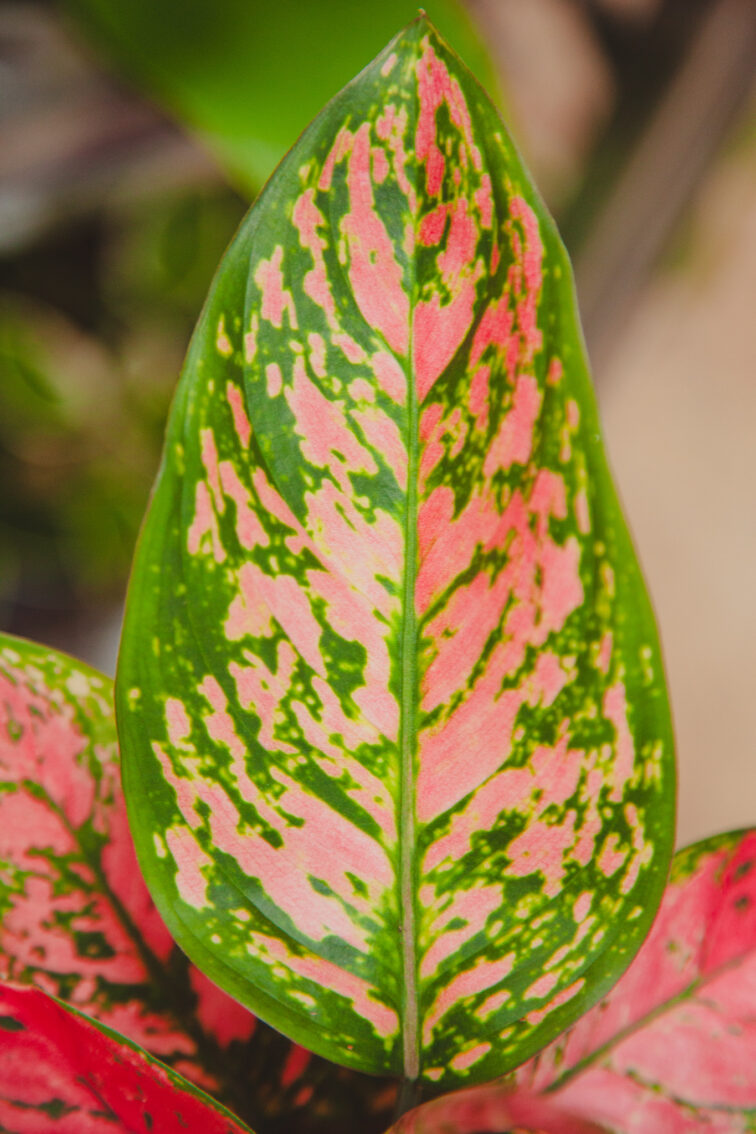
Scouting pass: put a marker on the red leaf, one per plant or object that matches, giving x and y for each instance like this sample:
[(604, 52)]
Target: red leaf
[(396, 744), (60, 1074)]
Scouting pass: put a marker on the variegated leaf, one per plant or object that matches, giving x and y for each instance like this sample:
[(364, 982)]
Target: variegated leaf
[(396, 744), (672, 1049), (76, 918), (60, 1073)]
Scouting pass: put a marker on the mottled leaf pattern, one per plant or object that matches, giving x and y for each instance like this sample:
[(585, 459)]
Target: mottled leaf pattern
[(492, 1110), (672, 1049), (76, 918), (396, 745), (62, 1074)]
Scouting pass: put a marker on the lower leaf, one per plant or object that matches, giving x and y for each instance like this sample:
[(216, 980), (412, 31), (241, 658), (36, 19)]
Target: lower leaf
[(672, 1049), (492, 1110), (62, 1074)]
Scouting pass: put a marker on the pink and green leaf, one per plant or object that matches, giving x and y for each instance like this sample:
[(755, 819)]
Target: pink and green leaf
[(397, 751), (60, 1073), (77, 920), (672, 1049)]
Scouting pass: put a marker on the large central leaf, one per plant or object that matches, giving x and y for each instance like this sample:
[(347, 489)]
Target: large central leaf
[(396, 745)]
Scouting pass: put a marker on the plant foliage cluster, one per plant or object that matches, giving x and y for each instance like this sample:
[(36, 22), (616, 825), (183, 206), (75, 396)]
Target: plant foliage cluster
[(396, 751)]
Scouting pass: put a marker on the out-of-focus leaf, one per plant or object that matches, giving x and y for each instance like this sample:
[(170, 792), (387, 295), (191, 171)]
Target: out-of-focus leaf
[(248, 75), (492, 1109), (77, 921), (396, 745), (162, 252), (74, 455), (36, 395), (672, 1049), (62, 1074)]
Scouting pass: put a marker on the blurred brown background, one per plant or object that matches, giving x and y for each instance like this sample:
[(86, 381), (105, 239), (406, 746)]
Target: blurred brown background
[(638, 119)]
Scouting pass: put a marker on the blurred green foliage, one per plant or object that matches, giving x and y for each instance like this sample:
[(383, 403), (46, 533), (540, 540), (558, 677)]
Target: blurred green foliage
[(82, 413), (162, 254), (87, 371), (248, 75), (64, 450)]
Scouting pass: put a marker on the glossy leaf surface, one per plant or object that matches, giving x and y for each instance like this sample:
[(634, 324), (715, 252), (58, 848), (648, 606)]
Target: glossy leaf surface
[(250, 76), (61, 1074), (672, 1049), (396, 745), (76, 918)]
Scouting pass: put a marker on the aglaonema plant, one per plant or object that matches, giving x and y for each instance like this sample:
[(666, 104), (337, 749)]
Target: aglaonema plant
[(395, 740)]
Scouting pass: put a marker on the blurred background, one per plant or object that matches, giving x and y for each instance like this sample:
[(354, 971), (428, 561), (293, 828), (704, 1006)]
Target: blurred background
[(133, 135)]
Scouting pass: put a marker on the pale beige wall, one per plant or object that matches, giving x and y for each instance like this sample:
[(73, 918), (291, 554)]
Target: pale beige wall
[(678, 400)]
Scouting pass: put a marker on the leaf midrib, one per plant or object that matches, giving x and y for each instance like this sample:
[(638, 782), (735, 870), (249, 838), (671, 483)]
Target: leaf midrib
[(407, 742), (410, 1015)]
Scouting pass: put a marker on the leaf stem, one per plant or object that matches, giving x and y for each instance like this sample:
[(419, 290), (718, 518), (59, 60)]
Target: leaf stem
[(409, 1097)]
